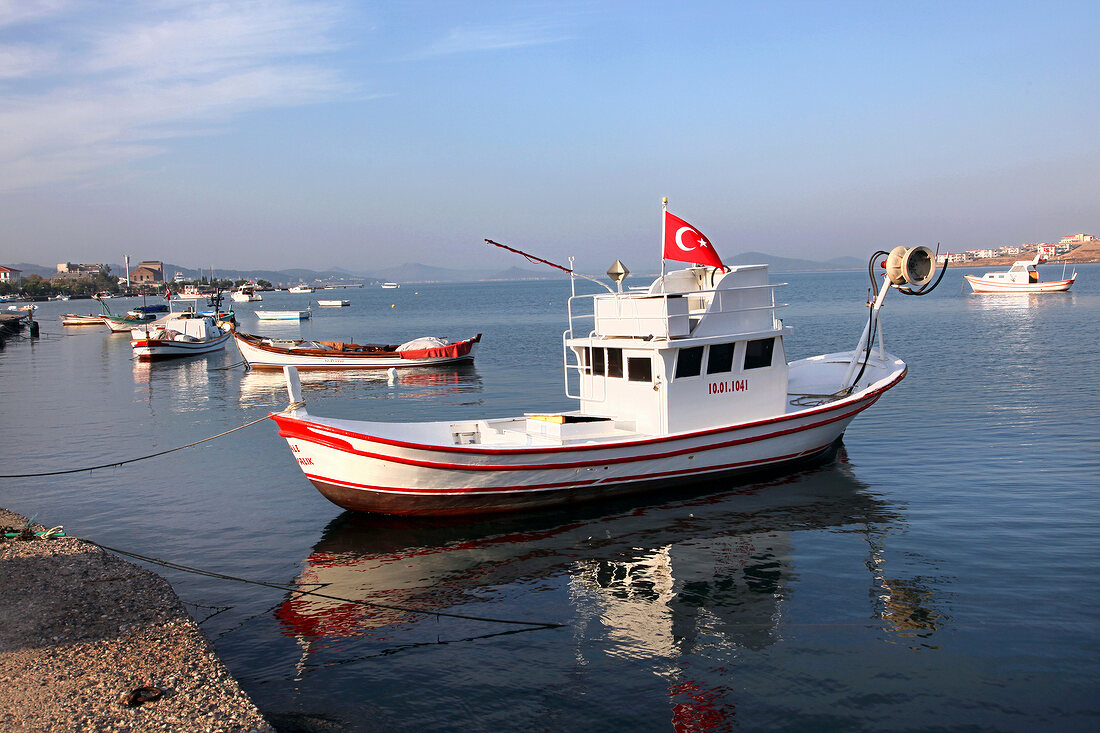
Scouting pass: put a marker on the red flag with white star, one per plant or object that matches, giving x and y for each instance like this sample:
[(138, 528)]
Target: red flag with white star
[(685, 243)]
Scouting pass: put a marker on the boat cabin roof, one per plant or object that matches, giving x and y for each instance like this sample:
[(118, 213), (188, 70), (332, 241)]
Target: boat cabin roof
[(701, 303)]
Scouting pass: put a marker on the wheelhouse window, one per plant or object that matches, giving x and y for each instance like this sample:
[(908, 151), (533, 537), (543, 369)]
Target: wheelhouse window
[(639, 369), (689, 362), (598, 361), (615, 363), (758, 354), (720, 358)]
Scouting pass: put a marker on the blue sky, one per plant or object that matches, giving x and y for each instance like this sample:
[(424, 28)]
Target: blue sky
[(277, 134)]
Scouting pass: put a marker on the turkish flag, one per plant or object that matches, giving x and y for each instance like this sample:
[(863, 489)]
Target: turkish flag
[(685, 243)]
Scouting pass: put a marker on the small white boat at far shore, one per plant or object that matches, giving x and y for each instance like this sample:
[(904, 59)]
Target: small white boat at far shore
[(293, 315), (245, 294), (1022, 277)]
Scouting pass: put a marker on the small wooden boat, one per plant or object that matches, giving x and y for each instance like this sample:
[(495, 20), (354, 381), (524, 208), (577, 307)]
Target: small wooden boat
[(269, 353), (683, 381), (124, 324), (1022, 277), (77, 319), (293, 315), (183, 334), (138, 316), (333, 303)]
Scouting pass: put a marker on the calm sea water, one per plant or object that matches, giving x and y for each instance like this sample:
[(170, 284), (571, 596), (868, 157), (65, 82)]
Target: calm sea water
[(941, 575)]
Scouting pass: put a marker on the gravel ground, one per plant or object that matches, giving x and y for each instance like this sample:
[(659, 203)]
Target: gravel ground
[(81, 629)]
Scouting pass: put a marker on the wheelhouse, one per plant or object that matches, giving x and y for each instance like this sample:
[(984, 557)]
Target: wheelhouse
[(696, 348)]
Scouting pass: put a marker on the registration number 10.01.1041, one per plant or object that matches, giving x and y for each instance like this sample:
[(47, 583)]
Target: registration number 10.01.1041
[(734, 385)]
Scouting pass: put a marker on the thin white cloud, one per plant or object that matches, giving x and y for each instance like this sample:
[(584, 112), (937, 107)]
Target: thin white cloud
[(477, 39), (13, 12), (95, 96), (19, 61)]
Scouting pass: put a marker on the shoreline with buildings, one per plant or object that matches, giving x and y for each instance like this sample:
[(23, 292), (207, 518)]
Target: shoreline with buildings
[(148, 276), (1073, 249)]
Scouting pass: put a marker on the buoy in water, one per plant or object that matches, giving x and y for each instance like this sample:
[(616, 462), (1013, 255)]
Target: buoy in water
[(391, 375)]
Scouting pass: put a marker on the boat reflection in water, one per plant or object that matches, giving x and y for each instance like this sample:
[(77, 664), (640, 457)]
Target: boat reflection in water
[(650, 583), (188, 375), (262, 387)]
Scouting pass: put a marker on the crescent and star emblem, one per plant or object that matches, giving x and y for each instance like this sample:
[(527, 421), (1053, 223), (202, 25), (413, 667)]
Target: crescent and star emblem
[(700, 241)]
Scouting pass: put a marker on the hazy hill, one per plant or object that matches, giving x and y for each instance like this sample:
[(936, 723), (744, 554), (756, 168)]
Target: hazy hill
[(415, 272), (29, 269)]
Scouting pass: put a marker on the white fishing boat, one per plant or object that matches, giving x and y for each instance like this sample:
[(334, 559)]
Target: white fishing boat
[(285, 315), (333, 303), (272, 353), (245, 294), (183, 334), (1022, 277), (300, 289), (681, 381)]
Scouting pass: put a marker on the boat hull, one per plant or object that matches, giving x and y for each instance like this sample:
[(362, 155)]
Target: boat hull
[(282, 315), (266, 357), (982, 285), (125, 325), (75, 319), (369, 473), (146, 349)]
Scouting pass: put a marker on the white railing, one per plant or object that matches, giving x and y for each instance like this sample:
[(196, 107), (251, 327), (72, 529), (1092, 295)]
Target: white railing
[(668, 316)]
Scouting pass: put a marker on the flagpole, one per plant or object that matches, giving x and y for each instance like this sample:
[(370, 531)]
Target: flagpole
[(664, 219)]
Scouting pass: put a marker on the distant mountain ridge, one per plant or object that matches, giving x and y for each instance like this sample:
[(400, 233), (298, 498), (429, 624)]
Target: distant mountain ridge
[(416, 272), (789, 264)]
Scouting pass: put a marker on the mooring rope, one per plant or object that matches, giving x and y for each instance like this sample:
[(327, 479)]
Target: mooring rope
[(132, 460), (297, 589)]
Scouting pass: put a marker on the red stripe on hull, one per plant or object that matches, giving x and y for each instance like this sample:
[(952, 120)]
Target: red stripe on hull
[(294, 431), (287, 424), (365, 499)]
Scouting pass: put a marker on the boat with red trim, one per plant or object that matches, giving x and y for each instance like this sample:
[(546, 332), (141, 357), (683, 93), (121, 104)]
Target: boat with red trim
[(681, 381), (183, 334), (261, 352)]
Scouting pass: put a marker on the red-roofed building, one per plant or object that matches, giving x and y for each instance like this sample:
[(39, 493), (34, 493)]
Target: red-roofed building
[(10, 275)]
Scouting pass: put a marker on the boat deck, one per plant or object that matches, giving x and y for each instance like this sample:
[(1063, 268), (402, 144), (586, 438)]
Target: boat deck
[(814, 382)]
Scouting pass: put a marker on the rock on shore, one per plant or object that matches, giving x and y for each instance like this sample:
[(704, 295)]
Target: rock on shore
[(81, 630)]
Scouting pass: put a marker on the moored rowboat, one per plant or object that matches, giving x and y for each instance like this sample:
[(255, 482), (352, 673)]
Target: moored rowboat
[(268, 353), (77, 319), (294, 315)]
